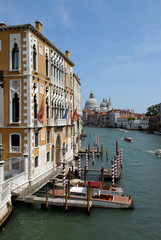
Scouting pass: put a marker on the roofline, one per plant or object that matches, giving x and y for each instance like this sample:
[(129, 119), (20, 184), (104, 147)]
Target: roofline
[(39, 34)]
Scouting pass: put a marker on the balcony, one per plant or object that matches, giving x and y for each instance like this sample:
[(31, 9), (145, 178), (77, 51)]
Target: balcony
[(37, 123), (68, 121), (15, 149), (60, 122)]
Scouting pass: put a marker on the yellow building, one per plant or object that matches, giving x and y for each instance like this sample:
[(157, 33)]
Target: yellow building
[(36, 90)]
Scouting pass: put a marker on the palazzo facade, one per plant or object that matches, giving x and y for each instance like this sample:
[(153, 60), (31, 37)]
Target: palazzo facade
[(36, 98)]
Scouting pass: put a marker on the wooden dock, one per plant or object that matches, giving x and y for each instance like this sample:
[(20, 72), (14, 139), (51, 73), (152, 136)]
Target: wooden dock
[(57, 201), (107, 173)]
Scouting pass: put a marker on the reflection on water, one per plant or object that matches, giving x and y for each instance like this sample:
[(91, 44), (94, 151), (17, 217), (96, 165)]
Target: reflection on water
[(141, 178)]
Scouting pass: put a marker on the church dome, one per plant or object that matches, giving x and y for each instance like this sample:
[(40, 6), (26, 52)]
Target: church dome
[(104, 106), (103, 103), (91, 103)]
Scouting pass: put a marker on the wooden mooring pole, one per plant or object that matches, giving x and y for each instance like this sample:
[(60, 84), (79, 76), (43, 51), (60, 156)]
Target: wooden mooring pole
[(89, 150), (101, 150), (69, 174), (98, 151), (53, 188), (102, 174), (66, 197), (47, 189), (106, 153), (88, 197), (68, 189), (85, 174)]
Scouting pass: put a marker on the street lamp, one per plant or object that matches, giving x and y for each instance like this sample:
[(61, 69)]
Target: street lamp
[(1, 151)]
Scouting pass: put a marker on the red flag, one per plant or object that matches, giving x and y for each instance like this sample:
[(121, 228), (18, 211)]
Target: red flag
[(75, 116), (41, 112)]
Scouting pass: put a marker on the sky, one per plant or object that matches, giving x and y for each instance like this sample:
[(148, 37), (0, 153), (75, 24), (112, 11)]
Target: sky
[(115, 44)]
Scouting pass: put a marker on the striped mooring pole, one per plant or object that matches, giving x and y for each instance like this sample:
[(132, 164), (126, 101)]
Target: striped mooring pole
[(118, 161), (115, 165), (64, 174), (79, 165), (93, 155), (121, 158), (113, 172), (86, 160)]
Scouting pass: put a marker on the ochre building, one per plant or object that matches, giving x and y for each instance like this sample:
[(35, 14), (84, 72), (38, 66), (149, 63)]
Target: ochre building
[(36, 98)]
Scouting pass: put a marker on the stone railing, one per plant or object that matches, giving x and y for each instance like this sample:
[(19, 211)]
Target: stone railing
[(5, 195)]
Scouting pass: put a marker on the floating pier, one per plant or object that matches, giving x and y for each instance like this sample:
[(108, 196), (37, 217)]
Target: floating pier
[(57, 201), (107, 173)]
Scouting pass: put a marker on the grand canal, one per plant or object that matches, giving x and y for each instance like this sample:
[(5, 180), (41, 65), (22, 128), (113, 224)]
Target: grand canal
[(141, 178)]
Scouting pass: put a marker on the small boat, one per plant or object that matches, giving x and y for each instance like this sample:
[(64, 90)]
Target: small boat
[(123, 130), (102, 200), (102, 188), (128, 139), (158, 152), (157, 133), (82, 135)]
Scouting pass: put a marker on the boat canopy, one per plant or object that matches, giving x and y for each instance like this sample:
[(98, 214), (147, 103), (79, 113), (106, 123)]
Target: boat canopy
[(94, 184), (80, 190)]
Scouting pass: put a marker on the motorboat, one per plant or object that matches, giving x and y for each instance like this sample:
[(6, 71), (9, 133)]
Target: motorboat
[(101, 200), (102, 188), (128, 139), (158, 152)]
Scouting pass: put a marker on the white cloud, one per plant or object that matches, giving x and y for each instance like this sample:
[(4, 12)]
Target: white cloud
[(150, 44), (62, 12)]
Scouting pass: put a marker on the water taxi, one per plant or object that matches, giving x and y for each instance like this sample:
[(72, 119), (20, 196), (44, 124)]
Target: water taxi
[(102, 200)]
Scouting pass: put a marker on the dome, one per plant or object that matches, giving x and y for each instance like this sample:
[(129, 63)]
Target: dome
[(103, 103), (91, 103), (104, 106)]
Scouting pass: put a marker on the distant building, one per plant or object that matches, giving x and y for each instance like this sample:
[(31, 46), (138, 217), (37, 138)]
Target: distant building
[(77, 128), (105, 105)]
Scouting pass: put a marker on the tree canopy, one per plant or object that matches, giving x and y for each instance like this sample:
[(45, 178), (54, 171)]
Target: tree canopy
[(153, 110)]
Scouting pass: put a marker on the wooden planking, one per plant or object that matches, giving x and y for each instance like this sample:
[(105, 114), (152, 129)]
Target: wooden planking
[(58, 201)]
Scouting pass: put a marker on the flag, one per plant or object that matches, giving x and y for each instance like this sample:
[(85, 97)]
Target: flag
[(41, 112), (75, 116), (66, 113), (57, 115)]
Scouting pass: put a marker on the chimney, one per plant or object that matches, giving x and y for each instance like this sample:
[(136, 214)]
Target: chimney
[(2, 24), (67, 53), (38, 25)]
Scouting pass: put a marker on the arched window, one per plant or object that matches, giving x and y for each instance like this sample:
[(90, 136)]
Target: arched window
[(34, 57), (36, 161), (47, 64), (35, 107), (15, 142), (15, 108), (52, 105), (47, 108), (15, 57)]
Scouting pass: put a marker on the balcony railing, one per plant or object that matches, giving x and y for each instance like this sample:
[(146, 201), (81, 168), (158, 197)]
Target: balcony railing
[(51, 122), (16, 149), (37, 123), (60, 122)]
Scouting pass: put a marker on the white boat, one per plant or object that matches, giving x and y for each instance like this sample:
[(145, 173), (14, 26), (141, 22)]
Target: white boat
[(123, 130), (101, 200), (158, 152), (102, 188)]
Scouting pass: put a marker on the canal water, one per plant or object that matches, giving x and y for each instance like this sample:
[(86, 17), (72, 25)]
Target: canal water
[(141, 178)]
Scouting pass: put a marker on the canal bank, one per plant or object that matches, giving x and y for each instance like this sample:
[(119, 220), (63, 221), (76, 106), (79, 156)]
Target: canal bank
[(140, 177)]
